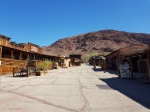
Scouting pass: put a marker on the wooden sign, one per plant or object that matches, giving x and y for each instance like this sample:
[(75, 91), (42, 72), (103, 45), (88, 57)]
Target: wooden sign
[(34, 49)]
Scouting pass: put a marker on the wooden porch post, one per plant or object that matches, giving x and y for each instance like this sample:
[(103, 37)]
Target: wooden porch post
[(41, 57), (104, 65), (0, 51), (20, 56), (28, 73), (34, 56), (130, 59), (28, 56), (94, 64), (99, 62), (118, 63), (12, 54), (13, 72), (148, 65)]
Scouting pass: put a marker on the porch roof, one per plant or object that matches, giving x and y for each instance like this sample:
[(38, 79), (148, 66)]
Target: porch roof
[(129, 51)]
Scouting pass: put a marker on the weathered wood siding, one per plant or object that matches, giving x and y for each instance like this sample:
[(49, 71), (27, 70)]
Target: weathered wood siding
[(4, 41), (5, 69), (8, 65)]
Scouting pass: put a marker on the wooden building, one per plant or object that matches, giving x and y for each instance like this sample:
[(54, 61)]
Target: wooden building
[(14, 54), (75, 59), (138, 58), (70, 60), (98, 61), (65, 62)]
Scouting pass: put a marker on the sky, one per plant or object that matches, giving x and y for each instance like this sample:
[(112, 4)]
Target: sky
[(43, 22)]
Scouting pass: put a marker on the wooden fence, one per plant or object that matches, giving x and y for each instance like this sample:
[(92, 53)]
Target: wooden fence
[(8, 65), (6, 69)]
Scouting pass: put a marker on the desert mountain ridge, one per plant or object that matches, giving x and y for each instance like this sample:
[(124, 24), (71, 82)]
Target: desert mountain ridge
[(96, 42)]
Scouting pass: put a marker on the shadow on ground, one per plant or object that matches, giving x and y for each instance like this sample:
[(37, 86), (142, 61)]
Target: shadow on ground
[(21, 76), (97, 69), (136, 91)]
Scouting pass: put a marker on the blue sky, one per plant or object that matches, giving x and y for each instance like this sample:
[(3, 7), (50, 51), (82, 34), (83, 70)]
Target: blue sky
[(43, 22)]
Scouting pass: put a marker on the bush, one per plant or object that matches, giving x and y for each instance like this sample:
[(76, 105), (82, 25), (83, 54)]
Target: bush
[(87, 59), (45, 65)]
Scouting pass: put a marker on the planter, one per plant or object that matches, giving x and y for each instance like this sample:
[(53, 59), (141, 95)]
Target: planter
[(40, 73)]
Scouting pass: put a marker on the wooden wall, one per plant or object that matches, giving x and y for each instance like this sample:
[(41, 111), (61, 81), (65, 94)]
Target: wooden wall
[(5, 69), (8, 65), (29, 47), (16, 47), (34, 48), (4, 41)]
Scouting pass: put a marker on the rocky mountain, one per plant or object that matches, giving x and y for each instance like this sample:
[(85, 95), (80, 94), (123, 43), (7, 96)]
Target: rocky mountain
[(97, 42)]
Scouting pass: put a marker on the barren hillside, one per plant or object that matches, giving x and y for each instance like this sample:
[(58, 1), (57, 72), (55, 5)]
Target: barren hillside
[(97, 42)]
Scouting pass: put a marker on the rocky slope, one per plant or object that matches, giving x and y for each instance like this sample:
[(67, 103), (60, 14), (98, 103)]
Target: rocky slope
[(97, 42)]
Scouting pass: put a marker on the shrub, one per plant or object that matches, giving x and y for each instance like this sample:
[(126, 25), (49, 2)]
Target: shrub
[(87, 59), (45, 65)]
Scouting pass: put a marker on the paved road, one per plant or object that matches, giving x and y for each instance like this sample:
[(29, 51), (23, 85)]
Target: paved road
[(76, 89)]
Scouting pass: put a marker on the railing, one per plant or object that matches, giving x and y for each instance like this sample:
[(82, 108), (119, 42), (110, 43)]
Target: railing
[(20, 72), (8, 65), (5, 69)]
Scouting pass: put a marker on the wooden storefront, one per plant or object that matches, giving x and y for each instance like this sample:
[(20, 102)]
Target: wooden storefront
[(98, 61), (14, 54), (137, 56), (75, 59)]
